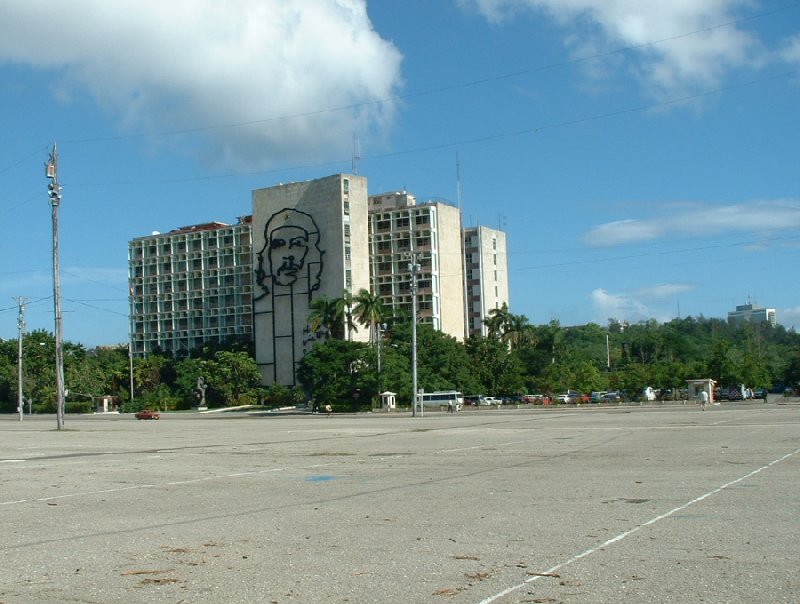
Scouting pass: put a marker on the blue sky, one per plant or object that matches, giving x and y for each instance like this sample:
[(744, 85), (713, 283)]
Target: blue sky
[(641, 156)]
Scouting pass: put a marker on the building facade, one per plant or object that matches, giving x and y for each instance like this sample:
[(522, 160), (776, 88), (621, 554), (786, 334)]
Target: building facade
[(402, 232), (752, 313), (486, 275), (190, 285), (309, 240)]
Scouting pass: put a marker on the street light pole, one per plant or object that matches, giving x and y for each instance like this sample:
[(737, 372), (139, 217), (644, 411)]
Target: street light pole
[(54, 191)]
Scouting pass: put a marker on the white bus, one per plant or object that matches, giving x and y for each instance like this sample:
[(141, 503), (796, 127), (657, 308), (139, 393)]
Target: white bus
[(442, 399)]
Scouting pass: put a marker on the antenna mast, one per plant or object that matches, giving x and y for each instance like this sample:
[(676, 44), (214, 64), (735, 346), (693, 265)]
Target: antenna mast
[(356, 153)]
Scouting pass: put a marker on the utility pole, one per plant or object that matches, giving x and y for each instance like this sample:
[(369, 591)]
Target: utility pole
[(54, 192), (414, 268), (21, 325)]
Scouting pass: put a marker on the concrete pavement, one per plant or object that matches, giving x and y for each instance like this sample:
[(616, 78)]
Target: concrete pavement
[(586, 505)]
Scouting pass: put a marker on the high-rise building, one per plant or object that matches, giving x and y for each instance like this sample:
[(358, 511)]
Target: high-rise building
[(189, 286), (401, 231), (310, 240), (486, 274), (752, 313)]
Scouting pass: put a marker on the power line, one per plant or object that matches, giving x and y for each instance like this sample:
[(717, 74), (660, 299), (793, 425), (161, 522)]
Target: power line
[(465, 142)]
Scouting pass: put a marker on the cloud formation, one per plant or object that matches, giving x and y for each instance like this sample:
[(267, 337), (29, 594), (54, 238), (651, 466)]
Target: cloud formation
[(678, 62), (188, 64), (695, 221)]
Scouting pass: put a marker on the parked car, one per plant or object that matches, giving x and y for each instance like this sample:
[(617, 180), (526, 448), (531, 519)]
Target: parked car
[(760, 393), (147, 414), (612, 397), (596, 397)]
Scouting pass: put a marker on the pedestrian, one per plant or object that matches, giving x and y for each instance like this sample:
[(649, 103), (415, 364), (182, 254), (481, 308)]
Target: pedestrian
[(328, 409), (450, 406), (703, 399)]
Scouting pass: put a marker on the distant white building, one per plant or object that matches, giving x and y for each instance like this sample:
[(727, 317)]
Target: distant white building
[(752, 313)]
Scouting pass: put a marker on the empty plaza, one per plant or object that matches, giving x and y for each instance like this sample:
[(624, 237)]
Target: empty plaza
[(574, 505)]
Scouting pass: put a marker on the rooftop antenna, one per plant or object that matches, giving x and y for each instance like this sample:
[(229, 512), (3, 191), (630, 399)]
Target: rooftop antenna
[(356, 153)]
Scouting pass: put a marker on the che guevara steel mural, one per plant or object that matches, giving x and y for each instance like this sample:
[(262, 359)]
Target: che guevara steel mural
[(288, 271)]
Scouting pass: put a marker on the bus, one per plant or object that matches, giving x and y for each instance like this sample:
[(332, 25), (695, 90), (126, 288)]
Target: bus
[(442, 399)]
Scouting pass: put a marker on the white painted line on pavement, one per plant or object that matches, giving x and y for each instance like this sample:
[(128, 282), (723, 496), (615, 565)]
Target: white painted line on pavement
[(629, 532)]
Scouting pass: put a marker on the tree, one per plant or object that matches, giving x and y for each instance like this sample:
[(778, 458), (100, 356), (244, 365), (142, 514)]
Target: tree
[(495, 369), (369, 311), (344, 309), (235, 379), (325, 315), (338, 372)]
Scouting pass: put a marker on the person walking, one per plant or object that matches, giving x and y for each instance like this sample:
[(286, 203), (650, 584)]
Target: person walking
[(703, 399)]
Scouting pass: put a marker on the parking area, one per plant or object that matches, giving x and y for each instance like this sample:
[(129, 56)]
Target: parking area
[(579, 505)]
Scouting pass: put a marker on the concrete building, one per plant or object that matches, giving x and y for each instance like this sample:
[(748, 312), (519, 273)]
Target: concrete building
[(309, 240), (399, 229), (189, 286), (486, 273), (752, 313)]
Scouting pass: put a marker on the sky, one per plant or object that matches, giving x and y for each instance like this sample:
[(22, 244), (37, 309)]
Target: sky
[(642, 157)]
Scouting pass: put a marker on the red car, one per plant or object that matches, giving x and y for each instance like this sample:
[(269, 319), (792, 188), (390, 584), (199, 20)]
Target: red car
[(147, 414)]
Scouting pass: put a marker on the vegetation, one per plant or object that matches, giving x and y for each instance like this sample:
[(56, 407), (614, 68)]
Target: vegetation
[(514, 358)]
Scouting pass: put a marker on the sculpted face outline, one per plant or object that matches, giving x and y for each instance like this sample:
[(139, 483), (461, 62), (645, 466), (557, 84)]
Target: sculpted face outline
[(288, 248), (291, 251)]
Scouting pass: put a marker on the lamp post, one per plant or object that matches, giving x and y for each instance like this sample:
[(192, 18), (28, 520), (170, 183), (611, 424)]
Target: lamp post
[(54, 191)]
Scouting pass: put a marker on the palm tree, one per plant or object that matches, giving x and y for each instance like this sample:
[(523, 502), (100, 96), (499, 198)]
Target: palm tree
[(497, 321), (369, 311), (344, 306), (518, 331), (325, 314)]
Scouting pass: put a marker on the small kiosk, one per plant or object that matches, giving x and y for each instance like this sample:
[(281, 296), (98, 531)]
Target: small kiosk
[(388, 400), (695, 387)]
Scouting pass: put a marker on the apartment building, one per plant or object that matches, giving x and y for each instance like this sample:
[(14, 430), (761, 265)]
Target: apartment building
[(486, 274), (402, 232), (189, 286)]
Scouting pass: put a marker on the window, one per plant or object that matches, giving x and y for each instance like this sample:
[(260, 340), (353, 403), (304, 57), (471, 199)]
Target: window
[(346, 185)]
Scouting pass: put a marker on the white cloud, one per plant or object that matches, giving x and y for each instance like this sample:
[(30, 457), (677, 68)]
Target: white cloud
[(791, 50), (678, 61), (645, 303), (789, 317), (699, 220), (664, 291), (162, 66), (622, 307)]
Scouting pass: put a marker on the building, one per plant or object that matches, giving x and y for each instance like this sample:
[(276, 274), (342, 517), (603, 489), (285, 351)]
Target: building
[(486, 274), (189, 286), (310, 240), (256, 280), (402, 231), (752, 313)]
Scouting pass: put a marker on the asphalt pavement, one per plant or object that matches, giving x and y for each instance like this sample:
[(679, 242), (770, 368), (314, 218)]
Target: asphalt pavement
[(562, 505)]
